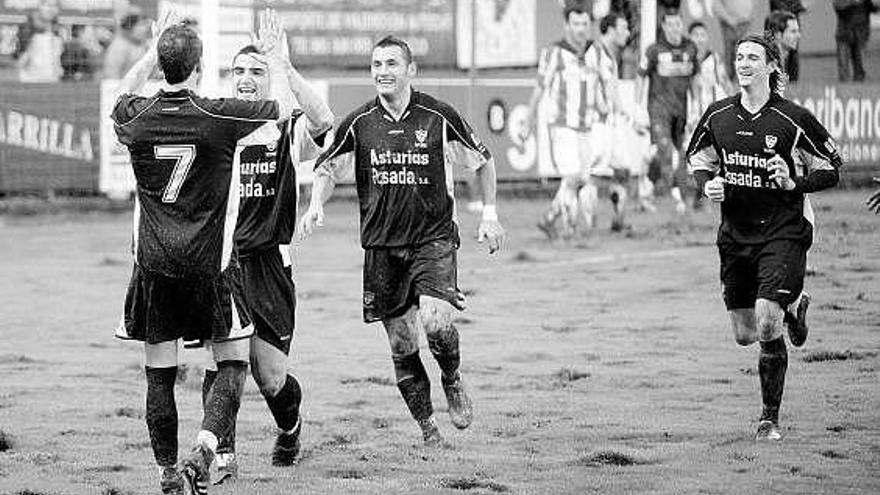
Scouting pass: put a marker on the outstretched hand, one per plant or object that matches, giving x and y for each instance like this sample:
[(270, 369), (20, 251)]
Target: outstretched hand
[(873, 201), (313, 218), (270, 37), (157, 27)]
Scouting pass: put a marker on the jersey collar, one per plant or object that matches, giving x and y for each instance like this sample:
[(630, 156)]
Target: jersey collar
[(415, 97), (748, 116)]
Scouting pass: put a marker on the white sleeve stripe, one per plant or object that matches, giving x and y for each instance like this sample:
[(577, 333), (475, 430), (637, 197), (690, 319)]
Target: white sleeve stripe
[(155, 99), (349, 130), (817, 150)]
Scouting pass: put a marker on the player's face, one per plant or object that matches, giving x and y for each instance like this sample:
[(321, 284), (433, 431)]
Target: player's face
[(792, 35), (673, 28), (391, 73), (250, 77), (700, 37), (752, 68), (577, 26), (621, 32)]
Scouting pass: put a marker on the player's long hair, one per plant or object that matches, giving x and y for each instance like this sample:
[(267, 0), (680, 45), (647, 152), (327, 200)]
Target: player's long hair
[(778, 78)]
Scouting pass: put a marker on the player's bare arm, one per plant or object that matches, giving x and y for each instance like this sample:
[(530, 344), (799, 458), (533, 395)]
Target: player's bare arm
[(873, 201), (320, 117), (490, 229), (271, 41), (137, 76), (532, 115), (322, 189)]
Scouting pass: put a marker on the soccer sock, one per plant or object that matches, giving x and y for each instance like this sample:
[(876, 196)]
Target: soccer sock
[(227, 442), (444, 346), (414, 385), (772, 364), (224, 398), (162, 414), (285, 404)]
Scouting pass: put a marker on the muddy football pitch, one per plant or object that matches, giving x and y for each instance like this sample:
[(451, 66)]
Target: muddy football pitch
[(601, 365)]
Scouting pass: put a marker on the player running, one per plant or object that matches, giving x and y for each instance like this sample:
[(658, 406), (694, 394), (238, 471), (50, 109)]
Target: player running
[(757, 154), (402, 146), (186, 283), (266, 222)]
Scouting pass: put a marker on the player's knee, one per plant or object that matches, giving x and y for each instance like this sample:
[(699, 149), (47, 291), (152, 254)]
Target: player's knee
[(745, 338), (435, 320)]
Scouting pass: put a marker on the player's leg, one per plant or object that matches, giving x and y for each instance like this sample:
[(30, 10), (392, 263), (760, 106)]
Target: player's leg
[(283, 395), (772, 365), (412, 379), (588, 201), (680, 182), (224, 461), (563, 150), (161, 370)]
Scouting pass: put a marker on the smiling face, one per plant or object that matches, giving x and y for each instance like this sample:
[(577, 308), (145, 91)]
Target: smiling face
[(250, 77), (752, 67), (391, 72)]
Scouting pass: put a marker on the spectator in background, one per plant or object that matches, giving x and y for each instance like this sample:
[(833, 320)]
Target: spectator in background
[(785, 28), (853, 30), (77, 60), (791, 61), (127, 47), (734, 17), (38, 56)]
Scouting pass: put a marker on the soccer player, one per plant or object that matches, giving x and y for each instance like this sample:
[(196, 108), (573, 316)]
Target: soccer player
[(186, 282), (669, 67), (402, 146), (757, 154), (565, 80), (786, 30), (266, 222), (605, 166)]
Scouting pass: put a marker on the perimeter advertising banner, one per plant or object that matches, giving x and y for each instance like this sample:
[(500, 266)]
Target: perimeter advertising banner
[(341, 33)]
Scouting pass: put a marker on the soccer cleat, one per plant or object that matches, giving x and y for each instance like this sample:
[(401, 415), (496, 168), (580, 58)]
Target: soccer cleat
[(431, 433), (797, 323), (287, 446), (461, 409), (768, 430), (194, 470), (227, 467), (171, 482)]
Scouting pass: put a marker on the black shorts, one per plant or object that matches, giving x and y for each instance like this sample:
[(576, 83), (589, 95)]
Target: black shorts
[(270, 295), (394, 278), (774, 271), (160, 309)]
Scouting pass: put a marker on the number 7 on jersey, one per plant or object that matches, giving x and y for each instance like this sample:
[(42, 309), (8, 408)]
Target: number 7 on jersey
[(184, 154)]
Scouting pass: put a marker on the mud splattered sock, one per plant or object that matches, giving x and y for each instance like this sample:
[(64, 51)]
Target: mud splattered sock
[(162, 414), (414, 385), (772, 365), (225, 398), (444, 347)]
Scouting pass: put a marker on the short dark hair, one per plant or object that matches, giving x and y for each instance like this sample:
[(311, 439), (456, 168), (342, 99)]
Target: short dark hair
[(695, 25), (245, 50), (129, 21), (180, 51), (670, 12), (771, 50), (576, 7), (392, 40), (608, 22), (777, 21)]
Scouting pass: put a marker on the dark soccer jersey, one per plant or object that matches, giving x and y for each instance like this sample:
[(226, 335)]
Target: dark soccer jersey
[(268, 191), (737, 145), (183, 152), (403, 169), (669, 69)]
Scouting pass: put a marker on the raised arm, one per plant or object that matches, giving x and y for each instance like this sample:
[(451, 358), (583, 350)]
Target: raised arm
[(137, 76)]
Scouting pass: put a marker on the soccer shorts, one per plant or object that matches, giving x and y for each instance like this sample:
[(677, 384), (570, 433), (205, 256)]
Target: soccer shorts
[(572, 151), (394, 278), (773, 270), (160, 308), (667, 132), (271, 296)]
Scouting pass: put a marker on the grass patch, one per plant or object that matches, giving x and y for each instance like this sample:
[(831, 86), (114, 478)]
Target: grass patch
[(346, 474), (5, 441), (566, 375), (609, 458), (826, 355), (374, 380), (524, 257), (473, 483), (833, 454)]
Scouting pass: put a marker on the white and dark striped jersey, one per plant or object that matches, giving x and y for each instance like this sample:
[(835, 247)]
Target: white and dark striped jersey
[(185, 156), (735, 144), (571, 85), (403, 169)]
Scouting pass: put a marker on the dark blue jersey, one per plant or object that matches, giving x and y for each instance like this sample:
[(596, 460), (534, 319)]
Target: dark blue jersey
[(669, 69), (737, 145), (185, 161), (403, 169)]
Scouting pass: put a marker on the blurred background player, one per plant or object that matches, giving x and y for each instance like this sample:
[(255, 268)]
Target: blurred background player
[(564, 79), (851, 36), (128, 45), (758, 154), (790, 58), (734, 19), (605, 167), (266, 222), (186, 282), (786, 30), (402, 146), (667, 73)]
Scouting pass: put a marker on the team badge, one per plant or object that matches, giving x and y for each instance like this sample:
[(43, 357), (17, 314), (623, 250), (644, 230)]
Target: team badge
[(770, 140), (421, 137), (270, 146)]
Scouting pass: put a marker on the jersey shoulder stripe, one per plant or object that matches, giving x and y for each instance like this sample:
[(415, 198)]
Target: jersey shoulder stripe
[(345, 128), (222, 116), (148, 103)]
